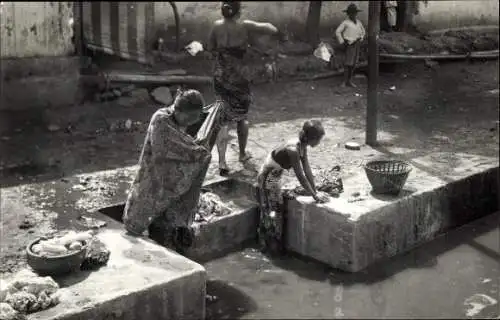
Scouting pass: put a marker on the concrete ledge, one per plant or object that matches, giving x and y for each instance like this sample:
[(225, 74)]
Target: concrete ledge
[(353, 235), (141, 281), (225, 235)]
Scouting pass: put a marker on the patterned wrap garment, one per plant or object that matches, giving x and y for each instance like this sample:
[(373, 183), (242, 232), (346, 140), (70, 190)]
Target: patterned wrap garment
[(231, 83), (166, 189), (271, 231), (271, 206)]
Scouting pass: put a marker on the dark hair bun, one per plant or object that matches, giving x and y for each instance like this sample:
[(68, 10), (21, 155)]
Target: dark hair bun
[(311, 130), (230, 9)]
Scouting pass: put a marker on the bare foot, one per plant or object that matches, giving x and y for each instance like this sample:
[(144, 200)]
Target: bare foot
[(245, 157), (223, 169)]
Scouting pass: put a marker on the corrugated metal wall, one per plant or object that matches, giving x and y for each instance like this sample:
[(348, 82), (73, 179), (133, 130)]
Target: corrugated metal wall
[(35, 29)]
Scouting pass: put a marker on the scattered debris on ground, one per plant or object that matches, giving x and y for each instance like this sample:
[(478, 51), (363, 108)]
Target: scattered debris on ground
[(26, 224), (458, 42), (91, 223)]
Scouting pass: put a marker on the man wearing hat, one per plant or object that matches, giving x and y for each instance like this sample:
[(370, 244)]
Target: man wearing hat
[(392, 13), (350, 33)]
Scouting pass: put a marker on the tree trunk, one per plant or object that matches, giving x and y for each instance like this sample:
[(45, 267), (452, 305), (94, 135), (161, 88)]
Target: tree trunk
[(313, 21), (401, 23), (373, 73)]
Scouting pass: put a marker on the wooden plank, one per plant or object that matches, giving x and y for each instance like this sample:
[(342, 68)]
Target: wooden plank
[(156, 79)]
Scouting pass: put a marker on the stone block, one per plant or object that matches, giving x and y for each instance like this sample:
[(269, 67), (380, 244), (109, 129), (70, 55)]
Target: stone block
[(351, 235), (142, 280), (228, 233), (224, 235)]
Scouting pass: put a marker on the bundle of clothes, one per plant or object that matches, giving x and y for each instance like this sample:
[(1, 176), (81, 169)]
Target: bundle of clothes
[(97, 255), (27, 293), (327, 180), (210, 205)]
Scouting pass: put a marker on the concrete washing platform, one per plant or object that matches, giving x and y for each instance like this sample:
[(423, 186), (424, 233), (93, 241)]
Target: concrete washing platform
[(142, 280), (351, 233)]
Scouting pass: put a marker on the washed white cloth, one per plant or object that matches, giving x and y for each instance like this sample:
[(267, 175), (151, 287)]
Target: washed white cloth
[(350, 31), (391, 12), (392, 16), (324, 52)]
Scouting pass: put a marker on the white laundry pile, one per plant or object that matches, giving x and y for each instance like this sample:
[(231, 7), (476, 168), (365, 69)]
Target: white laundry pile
[(27, 293), (210, 205), (194, 47), (324, 51)]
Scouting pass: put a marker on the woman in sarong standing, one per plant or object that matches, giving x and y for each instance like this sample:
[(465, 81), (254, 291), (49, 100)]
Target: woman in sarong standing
[(228, 42)]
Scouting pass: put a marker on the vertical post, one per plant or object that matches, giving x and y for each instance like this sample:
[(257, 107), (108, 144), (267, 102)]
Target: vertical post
[(372, 96), (313, 22), (78, 28)]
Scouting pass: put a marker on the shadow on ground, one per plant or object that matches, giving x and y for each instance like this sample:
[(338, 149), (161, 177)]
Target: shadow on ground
[(227, 302)]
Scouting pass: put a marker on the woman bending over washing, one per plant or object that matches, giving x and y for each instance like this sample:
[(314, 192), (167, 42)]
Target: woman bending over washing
[(228, 42), (291, 155)]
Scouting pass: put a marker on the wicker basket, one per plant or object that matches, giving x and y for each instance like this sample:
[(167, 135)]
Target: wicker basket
[(387, 176)]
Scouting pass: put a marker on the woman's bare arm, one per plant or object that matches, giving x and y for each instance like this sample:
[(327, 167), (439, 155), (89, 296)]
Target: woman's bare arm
[(260, 27), (299, 172), (212, 40), (307, 170)]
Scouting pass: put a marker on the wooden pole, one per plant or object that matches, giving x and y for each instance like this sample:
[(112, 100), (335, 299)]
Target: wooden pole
[(313, 22), (373, 61)]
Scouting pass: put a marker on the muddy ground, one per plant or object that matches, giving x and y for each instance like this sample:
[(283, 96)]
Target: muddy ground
[(449, 109)]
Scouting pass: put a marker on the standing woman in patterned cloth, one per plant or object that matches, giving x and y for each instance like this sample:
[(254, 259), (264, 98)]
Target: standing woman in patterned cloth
[(228, 42)]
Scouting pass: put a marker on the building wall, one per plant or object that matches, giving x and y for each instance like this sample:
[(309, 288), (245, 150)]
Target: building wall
[(196, 17), (35, 29), (39, 70)]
